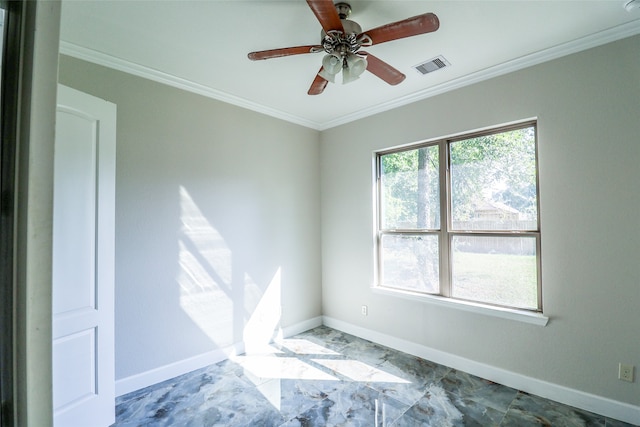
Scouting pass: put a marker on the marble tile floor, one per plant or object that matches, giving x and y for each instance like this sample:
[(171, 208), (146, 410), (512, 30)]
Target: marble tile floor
[(324, 377)]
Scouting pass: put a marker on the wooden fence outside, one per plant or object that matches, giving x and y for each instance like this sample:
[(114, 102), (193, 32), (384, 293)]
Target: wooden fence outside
[(521, 245)]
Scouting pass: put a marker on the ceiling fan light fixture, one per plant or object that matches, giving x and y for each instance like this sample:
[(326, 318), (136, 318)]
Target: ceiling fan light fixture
[(348, 76), (332, 63), (631, 4), (356, 64), (327, 76)]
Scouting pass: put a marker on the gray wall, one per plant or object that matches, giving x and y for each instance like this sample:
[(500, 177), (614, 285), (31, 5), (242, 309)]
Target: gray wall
[(210, 193), (587, 106), (214, 205)]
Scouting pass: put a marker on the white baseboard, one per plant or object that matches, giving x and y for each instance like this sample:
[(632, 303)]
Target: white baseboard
[(579, 399), (172, 370), (298, 328)]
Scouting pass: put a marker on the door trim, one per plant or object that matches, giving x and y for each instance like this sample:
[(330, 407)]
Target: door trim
[(10, 91)]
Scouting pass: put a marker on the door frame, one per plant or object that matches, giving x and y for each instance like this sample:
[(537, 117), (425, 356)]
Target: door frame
[(36, 112), (9, 104)]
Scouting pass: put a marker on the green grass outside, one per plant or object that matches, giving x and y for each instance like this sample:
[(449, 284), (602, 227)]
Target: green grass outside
[(502, 279)]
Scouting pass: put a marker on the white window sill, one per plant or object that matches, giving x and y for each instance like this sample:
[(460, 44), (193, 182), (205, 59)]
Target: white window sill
[(504, 313)]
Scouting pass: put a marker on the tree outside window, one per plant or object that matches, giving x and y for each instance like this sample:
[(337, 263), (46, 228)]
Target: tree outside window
[(459, 218)]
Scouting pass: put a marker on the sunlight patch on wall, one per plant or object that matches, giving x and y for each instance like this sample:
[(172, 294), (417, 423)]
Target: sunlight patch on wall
[(204, 240), (204, 300), (264, 324), (222, 299), (205, 273)]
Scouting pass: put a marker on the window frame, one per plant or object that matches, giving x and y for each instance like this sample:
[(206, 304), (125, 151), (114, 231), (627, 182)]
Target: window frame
[(446, 233)]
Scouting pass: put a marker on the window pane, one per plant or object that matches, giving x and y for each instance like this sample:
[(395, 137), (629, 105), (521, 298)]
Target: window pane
[(410, 189), (493, 182), (410, 262), (497, 270)]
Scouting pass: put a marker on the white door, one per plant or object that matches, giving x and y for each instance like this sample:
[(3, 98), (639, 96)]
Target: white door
[(83, 261)]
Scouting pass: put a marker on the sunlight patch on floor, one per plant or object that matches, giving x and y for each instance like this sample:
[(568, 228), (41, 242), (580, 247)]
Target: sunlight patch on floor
[(301, 346), (359, 371), (269, 367)]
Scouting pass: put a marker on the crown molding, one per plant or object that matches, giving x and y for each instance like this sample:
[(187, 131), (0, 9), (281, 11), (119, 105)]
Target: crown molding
[(607, 36), (109, 61), (594, 40)]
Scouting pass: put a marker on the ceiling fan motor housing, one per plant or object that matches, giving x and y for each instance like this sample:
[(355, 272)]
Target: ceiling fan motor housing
[(337, 42), (344, 9), (351, 27), (342, 43)]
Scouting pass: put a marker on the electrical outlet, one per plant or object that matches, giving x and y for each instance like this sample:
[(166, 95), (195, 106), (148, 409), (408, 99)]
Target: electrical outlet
[(364, 310), (625, 372)]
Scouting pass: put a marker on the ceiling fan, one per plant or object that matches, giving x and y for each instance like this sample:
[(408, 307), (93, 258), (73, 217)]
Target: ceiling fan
[(341, 40)]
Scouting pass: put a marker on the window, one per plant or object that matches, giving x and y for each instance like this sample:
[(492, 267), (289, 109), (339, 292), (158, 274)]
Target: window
[(458, 218)]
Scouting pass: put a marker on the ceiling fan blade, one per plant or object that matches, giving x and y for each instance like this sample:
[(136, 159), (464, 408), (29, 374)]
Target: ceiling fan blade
[(286, 51), (381, 69), (327, 14), (318, 85), (420, 24)]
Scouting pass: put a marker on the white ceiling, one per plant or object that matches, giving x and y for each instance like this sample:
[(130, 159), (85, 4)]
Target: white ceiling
[(202, 46)]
